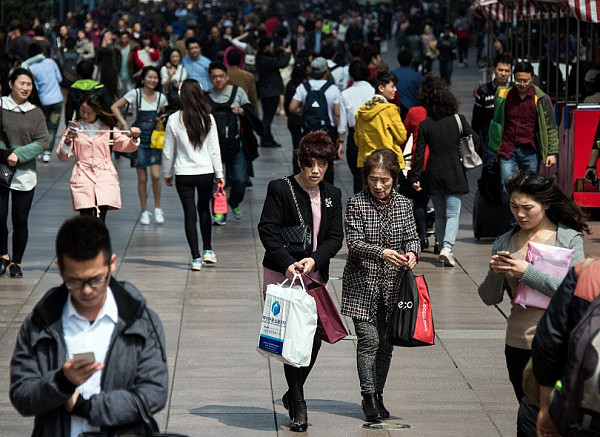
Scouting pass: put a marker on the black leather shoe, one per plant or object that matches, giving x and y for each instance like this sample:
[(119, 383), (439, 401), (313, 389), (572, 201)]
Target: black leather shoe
[(15, 271), (300, 419), (436, 248), (384, 412), (3, 265), (371, 408)]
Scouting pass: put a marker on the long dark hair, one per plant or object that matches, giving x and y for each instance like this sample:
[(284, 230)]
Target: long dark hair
[(437, 98), (545, 191), (98, 104), (144, 73), (195, 112), (34, 97)]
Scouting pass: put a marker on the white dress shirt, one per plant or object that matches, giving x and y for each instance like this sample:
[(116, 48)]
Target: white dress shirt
[(82, 336)]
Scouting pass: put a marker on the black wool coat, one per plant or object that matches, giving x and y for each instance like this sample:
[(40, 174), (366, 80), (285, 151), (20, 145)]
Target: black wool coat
[(279, 211)]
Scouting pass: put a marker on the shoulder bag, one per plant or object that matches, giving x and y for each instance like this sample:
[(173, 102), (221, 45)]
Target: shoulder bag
[(296, 239), (7, 172), (469, 157), (150, 425)]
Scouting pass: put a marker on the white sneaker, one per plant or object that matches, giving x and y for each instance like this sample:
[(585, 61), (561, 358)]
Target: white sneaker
[(209, 257), (145, 218), (159, 216), (447, 257), (197, 264), (46, 157)]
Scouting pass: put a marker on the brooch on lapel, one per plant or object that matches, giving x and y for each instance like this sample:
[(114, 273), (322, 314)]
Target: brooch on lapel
[(328, 202)]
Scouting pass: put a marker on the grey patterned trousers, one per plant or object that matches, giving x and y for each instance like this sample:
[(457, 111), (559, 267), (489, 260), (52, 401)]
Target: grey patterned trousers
[(373, 354)]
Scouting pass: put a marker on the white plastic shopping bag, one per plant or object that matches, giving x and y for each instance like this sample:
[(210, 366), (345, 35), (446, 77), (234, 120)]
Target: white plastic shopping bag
[(289, 323)]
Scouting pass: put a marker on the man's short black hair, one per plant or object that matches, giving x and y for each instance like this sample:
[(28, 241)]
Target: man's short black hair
[(82, 238), (502, 59), (328, 51), (164, 35), (358, 70), (234, 57), (404, 57), (216, 65), (382, 79), (34, 49), (85, 69), (523, 67), (190, 41)]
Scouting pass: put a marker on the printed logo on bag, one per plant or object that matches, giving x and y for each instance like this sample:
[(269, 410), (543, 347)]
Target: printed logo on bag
[(275, 308), (424, 316), (402, 305)]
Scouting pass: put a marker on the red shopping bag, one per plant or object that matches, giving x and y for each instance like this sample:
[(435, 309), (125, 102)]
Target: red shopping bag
[(219, 200), (329, 324), (411, 323)]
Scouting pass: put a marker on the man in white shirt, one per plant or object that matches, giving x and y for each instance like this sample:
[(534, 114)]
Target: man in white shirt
[(353, 98), (90, 346), (330, 118)]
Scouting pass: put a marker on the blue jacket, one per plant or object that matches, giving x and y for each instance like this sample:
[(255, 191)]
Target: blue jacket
[(198, 69)]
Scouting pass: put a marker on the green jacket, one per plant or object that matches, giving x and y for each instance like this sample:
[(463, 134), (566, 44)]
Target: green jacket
[(546, 132)]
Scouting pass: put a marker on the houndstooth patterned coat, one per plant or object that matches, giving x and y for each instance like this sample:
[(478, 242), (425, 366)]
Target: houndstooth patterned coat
[(370, 228)]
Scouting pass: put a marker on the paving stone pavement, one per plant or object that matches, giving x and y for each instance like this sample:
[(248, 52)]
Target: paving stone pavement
[(219, 384)]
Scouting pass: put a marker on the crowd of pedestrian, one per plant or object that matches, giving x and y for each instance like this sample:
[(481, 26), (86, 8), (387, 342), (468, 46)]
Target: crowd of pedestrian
[(216, 77)]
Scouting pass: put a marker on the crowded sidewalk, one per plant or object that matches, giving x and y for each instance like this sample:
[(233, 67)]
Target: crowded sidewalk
[(219, 384)]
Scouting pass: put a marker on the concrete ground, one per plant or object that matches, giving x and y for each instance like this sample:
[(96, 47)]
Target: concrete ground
[(219, 384)]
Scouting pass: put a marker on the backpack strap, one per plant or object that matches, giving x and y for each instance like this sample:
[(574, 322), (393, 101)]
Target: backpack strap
[(232, 96), (307, 86), (327, 85)]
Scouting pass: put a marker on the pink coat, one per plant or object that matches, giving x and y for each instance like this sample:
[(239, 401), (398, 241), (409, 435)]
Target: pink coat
[(94, 181)]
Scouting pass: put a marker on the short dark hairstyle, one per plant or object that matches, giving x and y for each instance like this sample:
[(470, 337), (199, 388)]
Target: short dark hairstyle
[(358, 70), (382, 79), (70, 43), (164, 35), (34, 49), (561, 209), (82, 238), (85, 69), (315, 145), (263, 41), (523, 67), (384, 158), (328, 51), (216, 65), (234, 57), (404, 57), (502, 59), (192, 40), (355, 48), (367, 53)]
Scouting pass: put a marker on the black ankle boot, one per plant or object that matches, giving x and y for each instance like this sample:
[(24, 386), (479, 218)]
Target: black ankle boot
[(371, 408), (286, 404), (384, 412), (300, 419)]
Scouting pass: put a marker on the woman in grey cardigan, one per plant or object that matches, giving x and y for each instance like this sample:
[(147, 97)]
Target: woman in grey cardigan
[(544, 215)]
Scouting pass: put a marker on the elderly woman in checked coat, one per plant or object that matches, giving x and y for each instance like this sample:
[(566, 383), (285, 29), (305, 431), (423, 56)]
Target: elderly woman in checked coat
[(382, 243)]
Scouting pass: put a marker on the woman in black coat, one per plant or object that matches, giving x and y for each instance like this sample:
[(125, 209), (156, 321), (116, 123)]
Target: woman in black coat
[(270, 84), (321, 207), (445, 177)]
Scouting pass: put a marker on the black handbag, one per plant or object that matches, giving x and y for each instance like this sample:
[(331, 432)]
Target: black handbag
[(6, 171), (296, 239), (150, 425)]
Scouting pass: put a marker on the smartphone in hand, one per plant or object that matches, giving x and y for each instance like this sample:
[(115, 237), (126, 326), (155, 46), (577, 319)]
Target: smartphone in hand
[(89, 357), (504, 254)]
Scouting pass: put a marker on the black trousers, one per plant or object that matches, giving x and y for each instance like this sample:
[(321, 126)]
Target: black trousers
[(94, 213), (187, 186), (516, 360), (296, 376), (351, 157), (269, 107), (296, 133), (21, 205)]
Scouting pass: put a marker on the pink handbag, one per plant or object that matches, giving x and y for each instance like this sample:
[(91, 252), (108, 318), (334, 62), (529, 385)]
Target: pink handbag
[(329, 324), (219, 200), (552, 260)]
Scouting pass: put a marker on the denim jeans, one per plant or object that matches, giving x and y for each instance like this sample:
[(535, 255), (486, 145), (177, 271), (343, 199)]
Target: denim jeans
[(236, 175), (523, 159), (447, 215), (52, 114)]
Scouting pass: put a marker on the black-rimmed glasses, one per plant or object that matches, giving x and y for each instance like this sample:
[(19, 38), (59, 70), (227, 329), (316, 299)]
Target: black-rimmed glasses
[(95, 282)]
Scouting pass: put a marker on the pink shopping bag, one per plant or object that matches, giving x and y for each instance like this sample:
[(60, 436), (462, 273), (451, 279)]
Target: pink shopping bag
[(220, 201)]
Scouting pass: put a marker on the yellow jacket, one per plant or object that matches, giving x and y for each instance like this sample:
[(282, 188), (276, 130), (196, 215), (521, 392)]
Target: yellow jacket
[(379, 126)]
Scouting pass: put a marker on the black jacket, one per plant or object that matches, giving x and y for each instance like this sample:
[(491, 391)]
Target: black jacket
[(445, 173), (270, 83), (279, 211), (551, 342)]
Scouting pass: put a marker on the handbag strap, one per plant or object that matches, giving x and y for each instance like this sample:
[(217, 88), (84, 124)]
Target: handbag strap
[(459, 123), (295, 200), (150, 426)]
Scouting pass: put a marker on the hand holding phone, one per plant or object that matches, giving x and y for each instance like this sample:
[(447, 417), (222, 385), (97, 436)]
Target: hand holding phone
[(89, 357), (504, 254)]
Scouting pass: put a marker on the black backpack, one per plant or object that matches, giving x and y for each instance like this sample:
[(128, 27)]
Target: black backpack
[(227, 126), (69, 69), (575, 402), (315, 115)]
